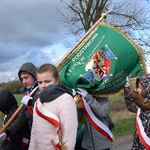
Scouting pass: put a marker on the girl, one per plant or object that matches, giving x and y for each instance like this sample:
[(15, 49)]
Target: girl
[(55, 115), (138, 101)]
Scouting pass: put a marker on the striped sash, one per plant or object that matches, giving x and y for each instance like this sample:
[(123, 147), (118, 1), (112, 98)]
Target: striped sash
[(140, 131), (50, 117), (96, 123)]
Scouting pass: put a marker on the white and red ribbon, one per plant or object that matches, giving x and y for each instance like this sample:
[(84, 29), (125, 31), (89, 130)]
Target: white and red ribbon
[(25, 142), (50, 117), (140, 131), (96, 123)]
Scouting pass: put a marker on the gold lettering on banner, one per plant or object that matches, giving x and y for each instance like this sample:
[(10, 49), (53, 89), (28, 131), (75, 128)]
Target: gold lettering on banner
[(79, 54)]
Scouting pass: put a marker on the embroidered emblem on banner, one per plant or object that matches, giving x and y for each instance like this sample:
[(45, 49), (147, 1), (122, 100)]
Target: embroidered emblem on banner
[(89, 76), (99, 66), (108, 53)]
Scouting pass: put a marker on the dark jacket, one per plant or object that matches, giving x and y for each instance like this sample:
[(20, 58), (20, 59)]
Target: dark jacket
[(19, 128)]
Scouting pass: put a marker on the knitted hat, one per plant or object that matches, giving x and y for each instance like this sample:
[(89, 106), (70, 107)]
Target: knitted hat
[(27, 67), (7, 101)]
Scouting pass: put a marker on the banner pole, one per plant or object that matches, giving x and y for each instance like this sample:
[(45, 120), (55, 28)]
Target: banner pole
[(15, 113), (103, 16)]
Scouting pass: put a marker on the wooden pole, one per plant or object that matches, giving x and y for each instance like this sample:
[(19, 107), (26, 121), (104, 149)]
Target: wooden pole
[(11, 119), (104, 15)]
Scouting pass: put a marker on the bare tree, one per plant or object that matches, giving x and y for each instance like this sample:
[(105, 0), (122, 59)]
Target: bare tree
[(133, 17)]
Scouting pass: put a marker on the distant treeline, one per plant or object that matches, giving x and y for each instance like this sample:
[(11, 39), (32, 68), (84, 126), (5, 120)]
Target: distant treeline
[(14, 86)]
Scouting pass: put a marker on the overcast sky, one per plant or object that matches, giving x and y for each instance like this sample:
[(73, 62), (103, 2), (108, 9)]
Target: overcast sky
[(30, 31)]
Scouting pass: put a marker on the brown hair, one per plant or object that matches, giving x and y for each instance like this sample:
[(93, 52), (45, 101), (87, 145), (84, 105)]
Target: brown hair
[(143, 94), (48, 67)]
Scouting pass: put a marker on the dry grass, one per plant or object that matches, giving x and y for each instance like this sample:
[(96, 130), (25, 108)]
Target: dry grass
[(118, 109), (123, 119), (125, 114)]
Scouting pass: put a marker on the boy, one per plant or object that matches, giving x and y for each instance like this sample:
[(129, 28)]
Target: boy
[(27, 75)]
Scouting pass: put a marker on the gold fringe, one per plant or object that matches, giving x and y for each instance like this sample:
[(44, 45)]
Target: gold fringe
[(77, 47), (77, 100), (138, 49)]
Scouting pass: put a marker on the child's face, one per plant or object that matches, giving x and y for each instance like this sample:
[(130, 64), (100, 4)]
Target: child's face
[(27, 80), (140, 90), (45, 79)]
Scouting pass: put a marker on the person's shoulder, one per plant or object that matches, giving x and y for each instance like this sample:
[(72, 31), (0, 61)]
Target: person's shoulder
[(67, 96), (66, 101)]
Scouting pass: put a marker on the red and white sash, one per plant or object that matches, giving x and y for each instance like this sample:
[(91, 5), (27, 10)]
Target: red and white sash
[(96, 123), (50, 117), (140, 131), (25, 142)]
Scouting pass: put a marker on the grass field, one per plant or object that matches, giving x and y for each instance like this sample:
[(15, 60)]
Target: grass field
[(122, 118), (18, 96), (123, 127)]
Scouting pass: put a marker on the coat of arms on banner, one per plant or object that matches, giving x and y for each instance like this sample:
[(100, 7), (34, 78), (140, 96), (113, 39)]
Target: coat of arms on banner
[(101, 61), (98, 67)]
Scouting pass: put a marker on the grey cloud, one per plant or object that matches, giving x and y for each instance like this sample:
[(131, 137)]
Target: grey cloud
[(30, 22), (26, 28), (8, 52)]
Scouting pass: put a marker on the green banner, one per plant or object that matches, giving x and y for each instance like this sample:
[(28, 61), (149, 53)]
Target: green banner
[(102, 61)]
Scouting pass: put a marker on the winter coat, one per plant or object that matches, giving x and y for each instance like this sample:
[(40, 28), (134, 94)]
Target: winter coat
[(60, 103), (144, 114), (19, 128), (92, 139)]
